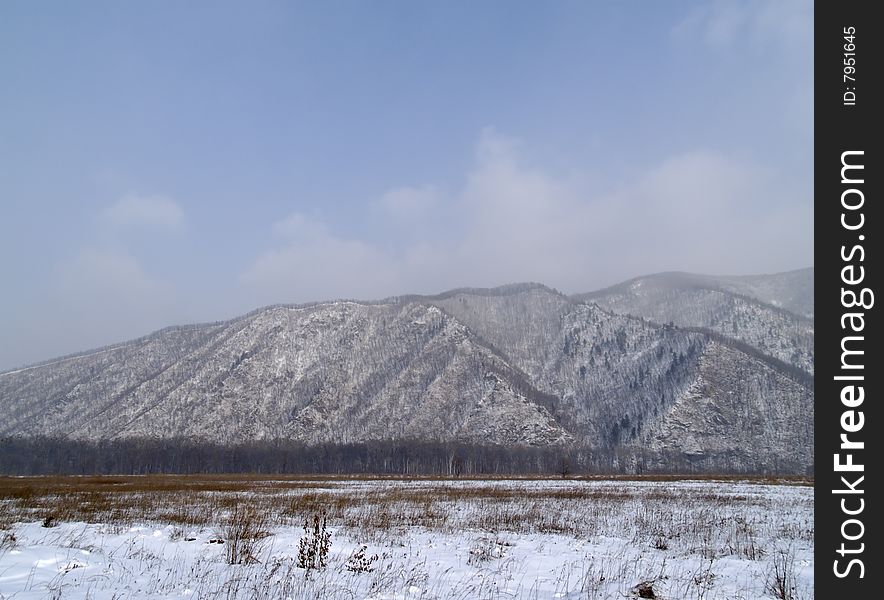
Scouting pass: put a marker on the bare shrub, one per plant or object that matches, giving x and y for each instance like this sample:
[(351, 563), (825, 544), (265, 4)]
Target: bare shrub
[(7, 541), (743, 543), (243, 534), (6, 517), (360, 563), (315, 544), (645, 589), (594, 579), (660, 542), (781, 580), (704, 580)]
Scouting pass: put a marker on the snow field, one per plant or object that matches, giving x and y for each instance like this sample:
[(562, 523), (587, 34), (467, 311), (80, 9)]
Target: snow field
[(432, 539)]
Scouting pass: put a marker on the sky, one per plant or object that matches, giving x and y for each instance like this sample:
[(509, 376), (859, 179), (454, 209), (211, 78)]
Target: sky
[(173, 162)]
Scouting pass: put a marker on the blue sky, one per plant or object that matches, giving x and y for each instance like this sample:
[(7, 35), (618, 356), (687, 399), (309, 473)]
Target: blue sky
[(170, 162)]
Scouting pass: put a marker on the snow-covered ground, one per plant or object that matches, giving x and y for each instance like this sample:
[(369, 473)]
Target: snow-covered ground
[(480, 539)]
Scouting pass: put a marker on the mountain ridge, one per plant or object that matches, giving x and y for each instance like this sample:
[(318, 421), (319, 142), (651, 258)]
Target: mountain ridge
[(521, 365), (728, 283), (504, 289)]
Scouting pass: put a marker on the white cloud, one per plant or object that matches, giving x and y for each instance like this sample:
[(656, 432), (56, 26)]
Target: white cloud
[(98, 296), (779, 34), (520, 222), (298, 226), (96, 273), (409, 205), (110, 289), (157, 212), (786, 24), (511, 221), (711, 213), (313, 264), (102, 294)]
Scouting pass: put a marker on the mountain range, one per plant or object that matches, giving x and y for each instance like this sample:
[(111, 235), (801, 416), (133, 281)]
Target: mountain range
[(673, 364)]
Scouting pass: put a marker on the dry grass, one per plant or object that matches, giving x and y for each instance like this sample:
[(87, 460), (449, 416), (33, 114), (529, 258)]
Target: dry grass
[(243, 533), (661, 515), (689, 526)]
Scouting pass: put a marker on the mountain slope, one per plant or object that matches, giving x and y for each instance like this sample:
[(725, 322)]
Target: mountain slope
[(749, 309), (337, 372), (518, 365), (792, 290), (735, 410)]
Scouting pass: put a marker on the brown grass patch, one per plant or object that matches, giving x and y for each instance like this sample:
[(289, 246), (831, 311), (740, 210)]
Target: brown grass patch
[(373, 504)]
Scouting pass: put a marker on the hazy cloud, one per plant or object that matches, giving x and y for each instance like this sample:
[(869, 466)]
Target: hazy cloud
[(98, 296), (513, 221), (313, 264), (510, 220), (94, 274), (109, 295), (299, 227), (787, 24), (520, 222), (700, 211), (409, 205), (710, 213), (158, 212), (366, 182)]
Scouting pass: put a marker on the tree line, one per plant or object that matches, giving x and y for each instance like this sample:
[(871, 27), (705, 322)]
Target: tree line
[(141, 456)]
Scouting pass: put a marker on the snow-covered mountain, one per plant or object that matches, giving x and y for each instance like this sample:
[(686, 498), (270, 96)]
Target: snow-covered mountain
[(773, 313), (518, 365)]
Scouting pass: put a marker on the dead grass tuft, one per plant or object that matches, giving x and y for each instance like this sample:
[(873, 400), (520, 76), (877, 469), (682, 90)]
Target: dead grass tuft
[(243, 534)]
